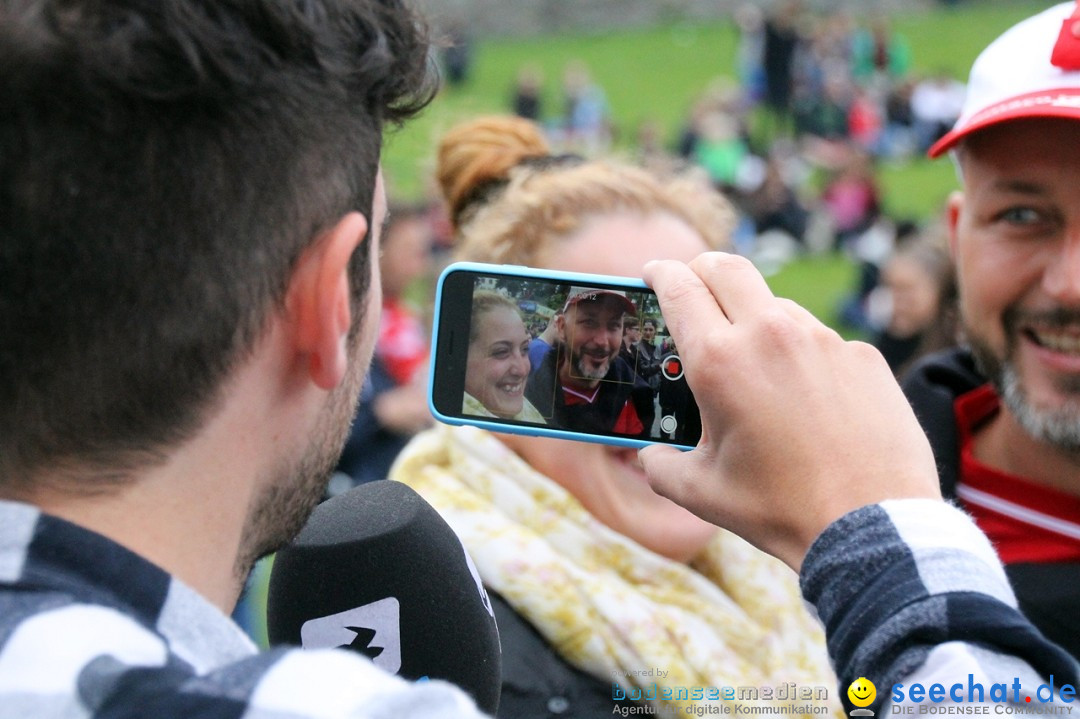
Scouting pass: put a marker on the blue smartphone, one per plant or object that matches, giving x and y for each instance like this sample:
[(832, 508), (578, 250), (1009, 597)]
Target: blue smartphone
[(558, 354)]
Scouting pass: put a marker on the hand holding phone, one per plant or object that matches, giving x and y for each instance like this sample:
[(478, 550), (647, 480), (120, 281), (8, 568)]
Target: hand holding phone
[(559, 354), (801, 426)]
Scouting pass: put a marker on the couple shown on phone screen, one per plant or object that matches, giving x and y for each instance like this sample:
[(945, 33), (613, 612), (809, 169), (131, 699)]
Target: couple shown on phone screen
[(579, 381)]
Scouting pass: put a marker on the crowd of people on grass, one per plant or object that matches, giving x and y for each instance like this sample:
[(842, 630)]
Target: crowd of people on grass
[(819, 99)]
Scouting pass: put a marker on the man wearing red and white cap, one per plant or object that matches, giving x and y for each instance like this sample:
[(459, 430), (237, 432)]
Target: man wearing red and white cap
[(582, 383), (1003, 414)]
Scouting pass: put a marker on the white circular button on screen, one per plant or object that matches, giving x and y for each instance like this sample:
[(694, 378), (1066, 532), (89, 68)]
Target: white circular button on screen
[(668, 423)]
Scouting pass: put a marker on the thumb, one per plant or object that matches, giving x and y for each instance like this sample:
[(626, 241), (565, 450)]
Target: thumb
[(669, 471)]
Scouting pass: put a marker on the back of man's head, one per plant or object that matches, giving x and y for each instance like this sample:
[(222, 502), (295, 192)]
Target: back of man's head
[(164, 163)]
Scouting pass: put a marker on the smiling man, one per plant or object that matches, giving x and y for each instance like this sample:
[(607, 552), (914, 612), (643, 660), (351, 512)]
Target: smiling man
[(582, 383), (1003, 414)]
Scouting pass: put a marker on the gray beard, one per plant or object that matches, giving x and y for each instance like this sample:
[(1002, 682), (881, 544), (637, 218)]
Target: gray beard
[(579, 365), (1060, 428)]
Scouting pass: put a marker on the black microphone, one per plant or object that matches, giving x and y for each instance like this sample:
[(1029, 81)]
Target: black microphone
[(378, 571)]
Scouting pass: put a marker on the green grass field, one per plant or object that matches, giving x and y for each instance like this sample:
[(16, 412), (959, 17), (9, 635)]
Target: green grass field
[(655, 74)]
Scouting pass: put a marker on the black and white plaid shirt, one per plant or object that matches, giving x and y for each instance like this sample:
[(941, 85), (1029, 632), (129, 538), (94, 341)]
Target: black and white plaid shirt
[(90, 629), (911, 591)]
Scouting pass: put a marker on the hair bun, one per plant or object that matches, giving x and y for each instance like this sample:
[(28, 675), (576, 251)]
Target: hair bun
[(475, 154)]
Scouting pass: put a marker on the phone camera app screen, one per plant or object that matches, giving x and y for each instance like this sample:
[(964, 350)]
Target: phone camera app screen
[(589, 359)]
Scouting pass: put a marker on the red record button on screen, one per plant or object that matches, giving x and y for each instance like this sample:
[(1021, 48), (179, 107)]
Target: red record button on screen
[(672, 367)]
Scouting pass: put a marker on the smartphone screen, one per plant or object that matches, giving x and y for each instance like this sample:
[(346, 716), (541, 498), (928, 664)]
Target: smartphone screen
[(559, 354)]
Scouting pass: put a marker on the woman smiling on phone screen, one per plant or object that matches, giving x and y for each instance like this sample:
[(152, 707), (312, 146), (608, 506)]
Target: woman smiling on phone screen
[(498, 360)]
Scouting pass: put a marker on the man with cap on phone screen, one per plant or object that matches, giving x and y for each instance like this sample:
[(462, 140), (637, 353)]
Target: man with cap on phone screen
[(1003, 413), (582, 383)]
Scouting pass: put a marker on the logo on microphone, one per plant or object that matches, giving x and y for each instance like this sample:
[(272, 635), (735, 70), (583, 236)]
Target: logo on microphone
[(362, 642), (373, 630)]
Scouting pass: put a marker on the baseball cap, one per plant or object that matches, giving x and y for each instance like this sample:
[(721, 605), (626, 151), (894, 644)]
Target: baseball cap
[(577, 294), (1032, 70)]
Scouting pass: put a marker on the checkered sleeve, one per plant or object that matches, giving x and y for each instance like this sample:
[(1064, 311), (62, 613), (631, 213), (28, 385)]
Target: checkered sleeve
[(913, 587), (332, 683), (284, 684), (123, 639)]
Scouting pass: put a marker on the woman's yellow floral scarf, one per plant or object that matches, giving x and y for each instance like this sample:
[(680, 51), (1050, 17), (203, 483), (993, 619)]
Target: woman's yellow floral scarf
[(732, 624)]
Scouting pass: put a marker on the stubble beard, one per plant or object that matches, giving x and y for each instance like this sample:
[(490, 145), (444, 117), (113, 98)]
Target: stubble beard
[(1059, 427), (296, 486)]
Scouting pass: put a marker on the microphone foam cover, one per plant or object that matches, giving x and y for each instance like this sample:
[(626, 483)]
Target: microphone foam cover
[(378, 570)]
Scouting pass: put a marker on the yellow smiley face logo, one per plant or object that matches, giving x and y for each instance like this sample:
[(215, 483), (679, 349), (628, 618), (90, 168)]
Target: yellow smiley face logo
[(862, 692)]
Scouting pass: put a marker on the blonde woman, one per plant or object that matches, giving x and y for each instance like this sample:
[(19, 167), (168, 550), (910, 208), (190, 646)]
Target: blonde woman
[(497, 362), (605, 592)]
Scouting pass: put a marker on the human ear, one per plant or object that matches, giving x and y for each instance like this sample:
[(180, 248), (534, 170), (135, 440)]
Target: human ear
[(318, 300)]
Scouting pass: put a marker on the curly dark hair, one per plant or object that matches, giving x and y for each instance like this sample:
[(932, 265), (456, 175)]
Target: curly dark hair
[(163, 163)]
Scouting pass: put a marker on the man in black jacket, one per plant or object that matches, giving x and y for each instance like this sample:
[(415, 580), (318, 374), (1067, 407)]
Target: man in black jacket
[(1004, 414)]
